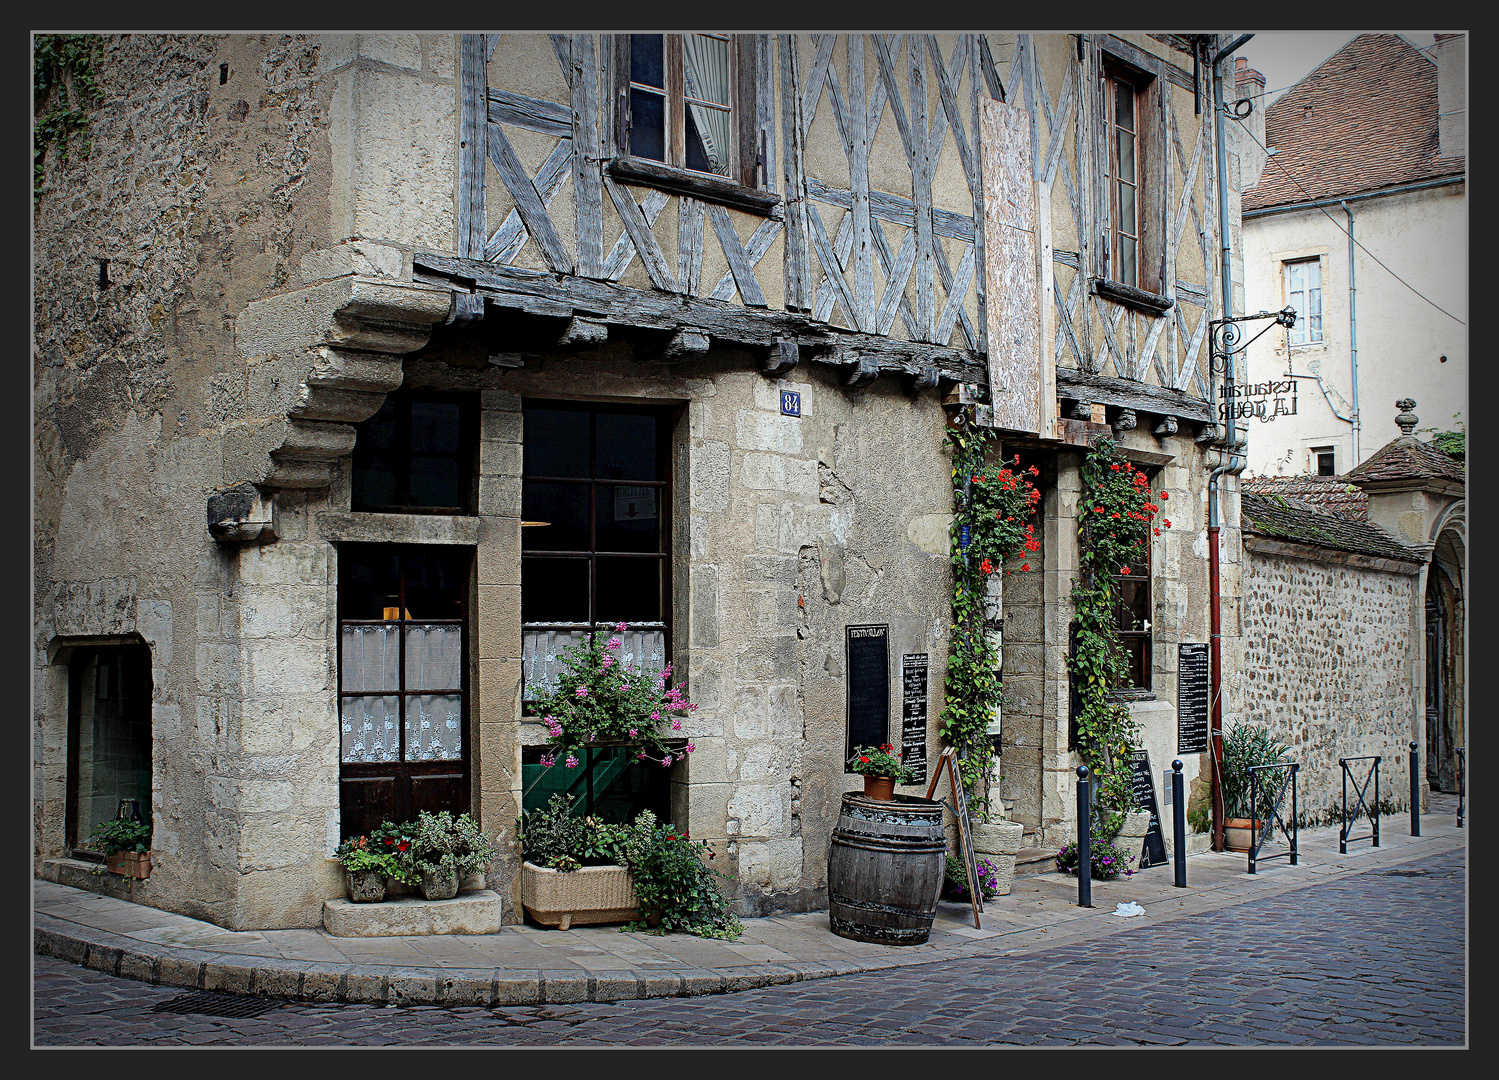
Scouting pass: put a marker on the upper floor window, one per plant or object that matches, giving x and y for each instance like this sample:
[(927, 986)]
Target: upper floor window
[(1304, 293), (1324, 460), (416, 455), (685, 103), (1131, 204)]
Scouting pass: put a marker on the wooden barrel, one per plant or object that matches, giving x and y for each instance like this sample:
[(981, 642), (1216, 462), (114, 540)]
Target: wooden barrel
[(885, 868)]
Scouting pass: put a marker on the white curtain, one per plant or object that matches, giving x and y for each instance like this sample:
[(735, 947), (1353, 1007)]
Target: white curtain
[(707, 64)]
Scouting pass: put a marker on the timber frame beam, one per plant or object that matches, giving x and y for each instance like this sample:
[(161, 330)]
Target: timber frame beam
[(759, 328)]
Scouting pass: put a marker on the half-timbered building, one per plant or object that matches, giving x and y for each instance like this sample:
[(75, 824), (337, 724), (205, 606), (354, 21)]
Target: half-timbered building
[(469, 344)]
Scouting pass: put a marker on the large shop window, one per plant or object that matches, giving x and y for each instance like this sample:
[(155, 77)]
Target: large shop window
[(595, 552), (416, 455), (402, 682), (109, 736)]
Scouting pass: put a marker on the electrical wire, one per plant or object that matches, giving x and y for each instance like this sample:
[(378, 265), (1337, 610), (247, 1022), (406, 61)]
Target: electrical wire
[(1271, 159)]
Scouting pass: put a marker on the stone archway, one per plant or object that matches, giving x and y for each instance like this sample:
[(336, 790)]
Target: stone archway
[(1445, 654)]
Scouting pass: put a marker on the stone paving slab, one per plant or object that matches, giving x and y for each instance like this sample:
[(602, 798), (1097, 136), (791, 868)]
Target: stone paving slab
[(522, 965)]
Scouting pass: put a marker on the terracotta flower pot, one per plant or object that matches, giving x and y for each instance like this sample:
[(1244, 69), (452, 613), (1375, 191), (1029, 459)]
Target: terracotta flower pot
[(879, 787), (1238, 833), (131, 864)]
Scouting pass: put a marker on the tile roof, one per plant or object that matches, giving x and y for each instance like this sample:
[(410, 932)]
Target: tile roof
[(1283, 518), (1363, 120), (1326, 492), (1407, 458)]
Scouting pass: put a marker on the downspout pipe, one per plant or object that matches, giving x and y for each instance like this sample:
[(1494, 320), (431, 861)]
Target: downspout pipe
[(1232, 463), (1353, 335)]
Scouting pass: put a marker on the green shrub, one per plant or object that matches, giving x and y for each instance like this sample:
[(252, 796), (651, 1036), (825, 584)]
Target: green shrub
[(117, 835)]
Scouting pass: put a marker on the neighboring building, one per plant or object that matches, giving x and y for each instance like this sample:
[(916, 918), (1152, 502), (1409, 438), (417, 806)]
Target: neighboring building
[(1370, 143), (1356, 619), (466, 344)]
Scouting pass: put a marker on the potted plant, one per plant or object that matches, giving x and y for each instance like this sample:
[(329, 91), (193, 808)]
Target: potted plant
[(1107, 861), (126, 845), (581, 870), (998, 842), (1246, 745), (598, 700), (881, 769), (955, 882), (443, 850), (369, 860)]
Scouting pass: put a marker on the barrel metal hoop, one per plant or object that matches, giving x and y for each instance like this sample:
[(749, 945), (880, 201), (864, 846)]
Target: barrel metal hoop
[(915, 847)]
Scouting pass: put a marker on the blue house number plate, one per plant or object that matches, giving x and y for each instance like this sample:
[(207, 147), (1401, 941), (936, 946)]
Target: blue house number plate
[(791, 403)]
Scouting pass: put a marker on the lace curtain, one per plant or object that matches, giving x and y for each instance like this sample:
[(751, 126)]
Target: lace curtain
[(707, 72)]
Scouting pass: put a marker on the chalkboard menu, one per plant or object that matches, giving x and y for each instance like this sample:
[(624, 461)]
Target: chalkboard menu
[(1142, 782), (868, 651), (1192, 698), (913, 668)]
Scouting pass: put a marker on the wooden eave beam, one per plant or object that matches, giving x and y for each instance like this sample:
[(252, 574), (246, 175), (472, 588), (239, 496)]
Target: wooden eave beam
[(1128, 394), (761, 328)]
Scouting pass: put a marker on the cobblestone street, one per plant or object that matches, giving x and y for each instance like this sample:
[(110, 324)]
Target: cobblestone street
[(1370, 959)]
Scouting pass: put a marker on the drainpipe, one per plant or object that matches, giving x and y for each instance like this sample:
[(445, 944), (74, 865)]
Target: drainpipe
[(1233, 463), (1353, 335)]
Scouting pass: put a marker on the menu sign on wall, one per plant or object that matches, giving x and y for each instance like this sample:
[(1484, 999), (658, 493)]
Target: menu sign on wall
[(1192, 698), (868, 653), (913, 691)]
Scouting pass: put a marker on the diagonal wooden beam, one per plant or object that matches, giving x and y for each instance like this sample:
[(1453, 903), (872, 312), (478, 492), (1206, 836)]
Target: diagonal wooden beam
[(832, 271), (739, 266), (623, 252), (506, 241), (812, 94), (886, 52), (754, 250), (528, 202), (633, 219)]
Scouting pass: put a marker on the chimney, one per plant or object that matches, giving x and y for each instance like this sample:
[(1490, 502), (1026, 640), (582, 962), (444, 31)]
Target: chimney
[(1249, 85), (1451, 52)]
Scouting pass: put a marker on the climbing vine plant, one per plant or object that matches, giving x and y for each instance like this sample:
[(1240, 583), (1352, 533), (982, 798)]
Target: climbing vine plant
[(1116, 519), (63, 85), (993, 506)]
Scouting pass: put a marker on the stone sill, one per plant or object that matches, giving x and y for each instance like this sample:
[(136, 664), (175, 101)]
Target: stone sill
[(477, 912)]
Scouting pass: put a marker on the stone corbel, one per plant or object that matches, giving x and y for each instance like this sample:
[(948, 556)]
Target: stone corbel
[(241, 515), (352, 333)]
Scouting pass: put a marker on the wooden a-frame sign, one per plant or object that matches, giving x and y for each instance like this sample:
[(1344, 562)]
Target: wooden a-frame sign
[(959, 808)]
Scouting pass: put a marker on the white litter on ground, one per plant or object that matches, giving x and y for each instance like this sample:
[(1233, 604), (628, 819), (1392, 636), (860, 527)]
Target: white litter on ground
[(1129, 910)]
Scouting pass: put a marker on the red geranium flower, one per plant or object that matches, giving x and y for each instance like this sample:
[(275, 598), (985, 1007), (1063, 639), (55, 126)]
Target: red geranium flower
[(1164, 495), (1166, 522), (1124, 570)]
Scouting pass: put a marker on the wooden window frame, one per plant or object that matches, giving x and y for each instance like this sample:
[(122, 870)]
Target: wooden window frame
[(1303, 325), (742, 188), (1117, 62)]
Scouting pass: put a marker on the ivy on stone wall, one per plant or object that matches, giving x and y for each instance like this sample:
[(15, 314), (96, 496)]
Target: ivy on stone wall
[(992, 510), (63, 86)]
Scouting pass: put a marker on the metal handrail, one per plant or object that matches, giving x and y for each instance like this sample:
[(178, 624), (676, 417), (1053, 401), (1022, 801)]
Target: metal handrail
[(1359, 789), (1288, 831)]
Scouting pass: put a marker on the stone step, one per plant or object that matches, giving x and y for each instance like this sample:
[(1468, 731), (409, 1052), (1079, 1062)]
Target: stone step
[(476, 912)]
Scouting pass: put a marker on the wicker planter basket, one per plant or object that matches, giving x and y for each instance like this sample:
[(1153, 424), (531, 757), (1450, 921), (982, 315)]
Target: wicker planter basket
[(594, 894)]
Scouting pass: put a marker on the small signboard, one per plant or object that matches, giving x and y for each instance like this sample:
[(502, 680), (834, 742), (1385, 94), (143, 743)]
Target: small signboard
[(868, 656), (913, 692), (1143, 784), (1192, 698), (791, 403), (959, 808)]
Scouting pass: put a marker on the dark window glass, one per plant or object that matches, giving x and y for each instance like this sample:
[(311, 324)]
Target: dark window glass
[(554, 590), (1325, 466), (629, 518), (109, 727), (647, 125), (556, 516), (1133, 620), (627, 446), (629, 590), (646, 63), (558, 443), (416, 454)]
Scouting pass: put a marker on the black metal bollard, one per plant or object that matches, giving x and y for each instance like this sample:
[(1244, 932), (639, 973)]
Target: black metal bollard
[(1415, 792), (1084, 841), (1462, 782), (1179, 823)]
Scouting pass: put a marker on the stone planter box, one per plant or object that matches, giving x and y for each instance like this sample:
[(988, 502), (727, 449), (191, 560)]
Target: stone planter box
[(594, 894), (998, 842)]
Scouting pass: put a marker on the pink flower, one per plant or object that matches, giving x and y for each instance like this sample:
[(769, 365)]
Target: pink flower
[(641, 755), (676, 723), (548, 760), (666, 760), (581, 691), (691, 747), (613, 643), (656, 715), (621, 628), (572, 762), (632, 733)]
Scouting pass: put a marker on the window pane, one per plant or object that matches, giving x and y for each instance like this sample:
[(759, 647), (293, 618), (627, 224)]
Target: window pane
[(1127, 222), (371, 658), (368, 579), (629, 590), (556, 442), (379, 431), (436, 482), (627, 447), (628, 518), (114, 734), (374, 482), (553, 590), (1126, 155), (1124, 104), (1126, 260), (706, 63), (434, 657), (647, 125), (564, 510), (434, 727), (435, 427), (699, 158), (646, 64), (367, 729), (436, 581)]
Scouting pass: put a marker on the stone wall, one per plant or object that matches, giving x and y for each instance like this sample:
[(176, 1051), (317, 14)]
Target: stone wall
[(1329, 650)]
